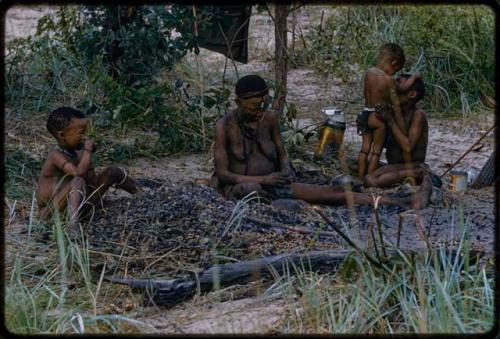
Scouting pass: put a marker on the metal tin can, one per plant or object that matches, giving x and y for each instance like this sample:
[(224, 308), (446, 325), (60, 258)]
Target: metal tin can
[(332, 130), (458, 181), (472, 175), (335, 118)]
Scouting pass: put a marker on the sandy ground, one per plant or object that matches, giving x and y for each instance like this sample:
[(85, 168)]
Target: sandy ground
[(448, 140)]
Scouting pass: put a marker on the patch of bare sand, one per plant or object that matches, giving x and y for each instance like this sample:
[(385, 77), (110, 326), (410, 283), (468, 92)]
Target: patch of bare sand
[(176, 168), (448, 140), (243, 316), (22, 20)]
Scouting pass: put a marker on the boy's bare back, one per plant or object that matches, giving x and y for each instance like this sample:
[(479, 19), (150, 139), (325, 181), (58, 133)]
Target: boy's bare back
[(377, 87)]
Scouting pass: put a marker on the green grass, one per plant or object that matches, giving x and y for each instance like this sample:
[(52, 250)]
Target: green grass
[(453, 47), (436, 292), (21, 169), (50, 288)]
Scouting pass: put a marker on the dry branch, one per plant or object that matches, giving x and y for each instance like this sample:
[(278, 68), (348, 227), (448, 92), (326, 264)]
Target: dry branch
[(171, 292)]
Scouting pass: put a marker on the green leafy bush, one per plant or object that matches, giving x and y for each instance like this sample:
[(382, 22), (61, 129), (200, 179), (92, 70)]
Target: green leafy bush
[(451, 46), (110, 62)]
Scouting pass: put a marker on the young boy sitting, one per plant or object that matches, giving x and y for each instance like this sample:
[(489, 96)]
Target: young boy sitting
[(68, 178), (380, 88)]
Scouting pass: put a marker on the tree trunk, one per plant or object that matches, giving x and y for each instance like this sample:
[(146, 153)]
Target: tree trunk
[(487, 175), (281, 61)]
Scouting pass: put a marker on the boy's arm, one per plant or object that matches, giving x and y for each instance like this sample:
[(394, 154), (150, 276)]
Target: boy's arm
[(83, 166), (407, 143), (283, 161), (398, 116), (405, 87)]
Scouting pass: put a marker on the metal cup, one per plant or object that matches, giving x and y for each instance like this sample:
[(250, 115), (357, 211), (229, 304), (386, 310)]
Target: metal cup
[(458, 181)]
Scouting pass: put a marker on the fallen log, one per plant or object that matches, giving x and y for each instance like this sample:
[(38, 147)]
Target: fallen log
[(171, 292)]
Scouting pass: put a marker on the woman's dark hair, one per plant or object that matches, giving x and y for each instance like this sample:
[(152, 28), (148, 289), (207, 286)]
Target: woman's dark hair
[(251, 86), (417, 86)]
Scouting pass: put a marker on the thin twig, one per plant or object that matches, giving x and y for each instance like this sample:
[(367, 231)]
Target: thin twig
[(400, 226), (158, 259), (229, 47), (298, 229), (294, 24), (372, 260), (377, 253), (320, 28), (422, 233), (468, 150), (198, 66), (379, 226)]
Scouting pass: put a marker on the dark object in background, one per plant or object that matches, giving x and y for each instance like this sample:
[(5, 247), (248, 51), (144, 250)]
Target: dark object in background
[(487, 175), (234, 21)]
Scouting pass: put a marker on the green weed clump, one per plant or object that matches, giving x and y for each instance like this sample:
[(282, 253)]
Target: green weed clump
[(440, 291), (453, 47)]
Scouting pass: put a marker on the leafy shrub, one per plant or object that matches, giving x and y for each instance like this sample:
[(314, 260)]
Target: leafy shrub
[(109, 61), (451, 46)]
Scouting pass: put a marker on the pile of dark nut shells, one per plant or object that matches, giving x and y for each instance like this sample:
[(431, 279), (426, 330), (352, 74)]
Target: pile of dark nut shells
[(171, 229)]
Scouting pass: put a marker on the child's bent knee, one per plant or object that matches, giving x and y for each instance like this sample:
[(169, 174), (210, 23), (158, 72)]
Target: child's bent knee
[(370, 181), (114, 174)]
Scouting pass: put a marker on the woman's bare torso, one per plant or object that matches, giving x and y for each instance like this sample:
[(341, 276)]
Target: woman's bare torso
[(249, 155)]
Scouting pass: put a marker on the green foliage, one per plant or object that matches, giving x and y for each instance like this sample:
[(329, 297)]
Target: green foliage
[(38, 299), (451, 46), (430, 293), (110, 62), (135, 42), (21, 170)]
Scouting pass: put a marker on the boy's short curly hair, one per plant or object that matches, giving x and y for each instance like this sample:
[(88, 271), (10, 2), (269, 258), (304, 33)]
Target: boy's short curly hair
[(60, 118), (393, 51), (417, 86)]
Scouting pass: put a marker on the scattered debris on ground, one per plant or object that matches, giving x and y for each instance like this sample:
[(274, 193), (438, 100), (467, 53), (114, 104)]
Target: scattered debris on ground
[(173, 230)]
